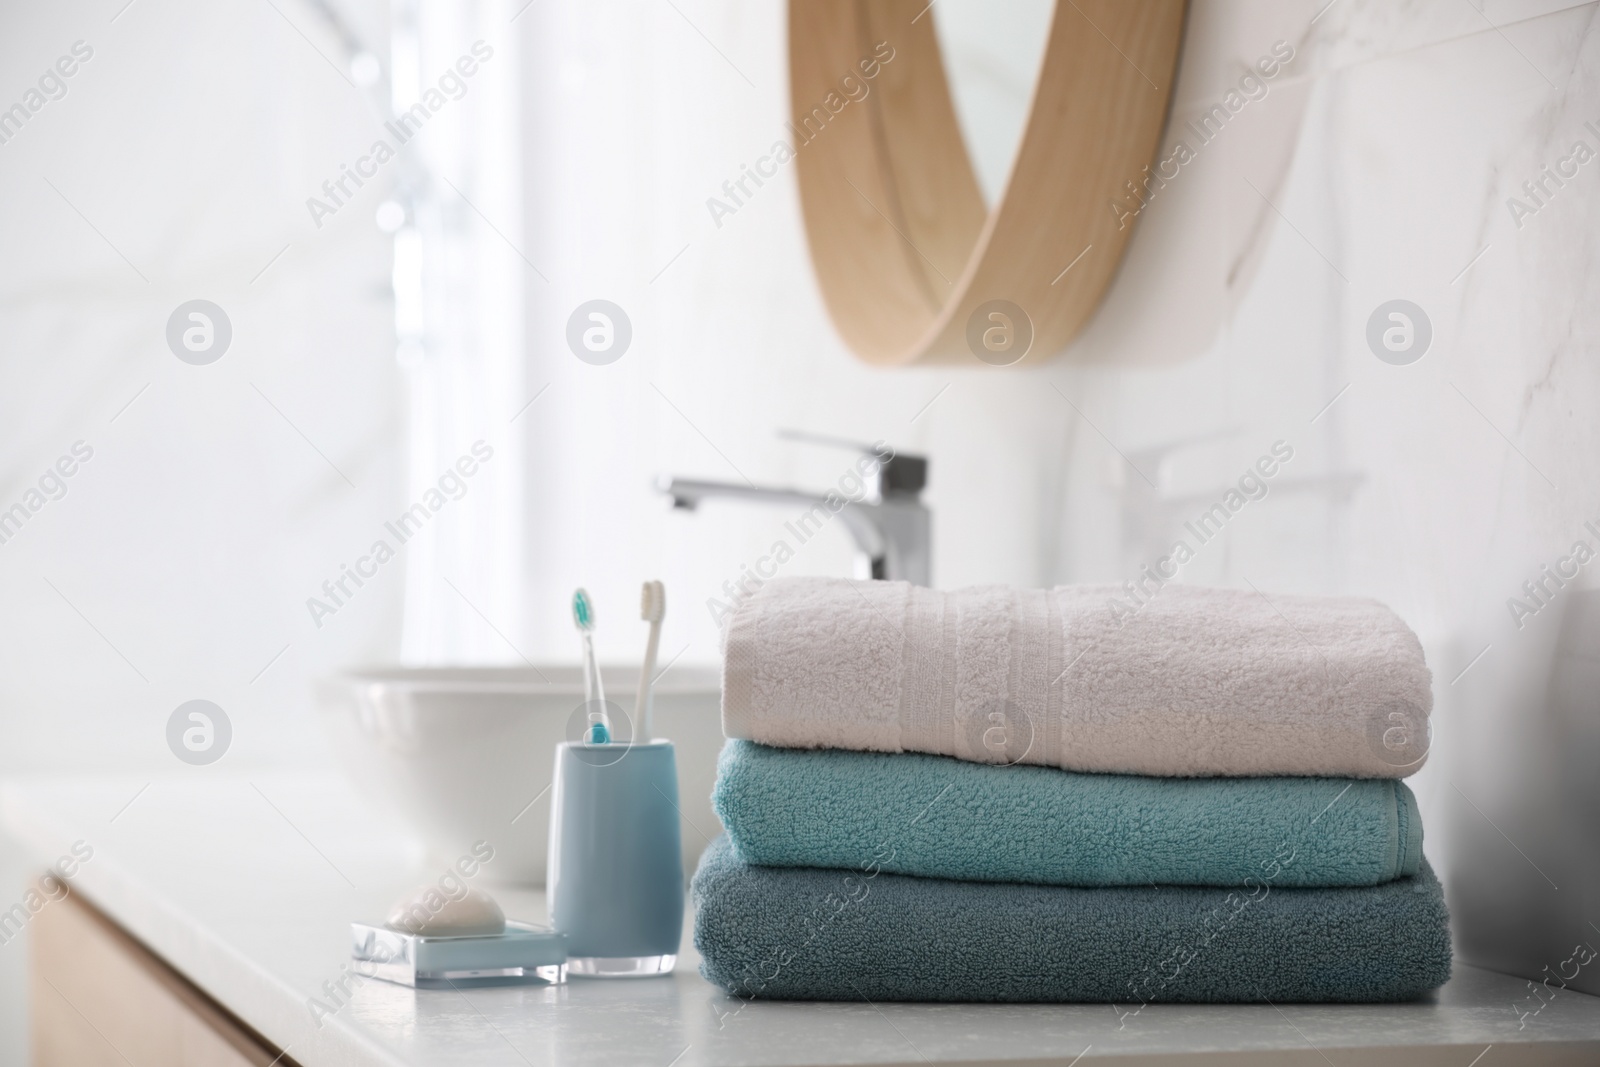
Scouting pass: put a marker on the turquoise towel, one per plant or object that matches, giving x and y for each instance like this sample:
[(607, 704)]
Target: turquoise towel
[(812, 934), (946, 818)]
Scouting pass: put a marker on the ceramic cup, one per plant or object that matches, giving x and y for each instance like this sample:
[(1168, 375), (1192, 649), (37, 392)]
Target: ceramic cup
[(616, 866)]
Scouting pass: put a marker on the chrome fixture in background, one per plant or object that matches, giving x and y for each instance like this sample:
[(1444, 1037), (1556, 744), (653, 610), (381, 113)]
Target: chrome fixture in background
[(890, 525)]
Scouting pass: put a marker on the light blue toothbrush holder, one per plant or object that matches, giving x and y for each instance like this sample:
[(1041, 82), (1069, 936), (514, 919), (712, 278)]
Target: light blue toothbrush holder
[(616, 863)]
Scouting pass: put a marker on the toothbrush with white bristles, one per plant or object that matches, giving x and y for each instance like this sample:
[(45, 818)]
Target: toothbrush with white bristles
[(594, 693), (652, 609)]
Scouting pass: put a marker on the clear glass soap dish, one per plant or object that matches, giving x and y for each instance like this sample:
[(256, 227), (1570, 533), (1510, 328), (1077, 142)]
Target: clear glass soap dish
[(524, 955)]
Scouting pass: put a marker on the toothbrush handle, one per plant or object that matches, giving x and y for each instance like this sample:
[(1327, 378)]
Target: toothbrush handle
[(642, 705), (593, 690)]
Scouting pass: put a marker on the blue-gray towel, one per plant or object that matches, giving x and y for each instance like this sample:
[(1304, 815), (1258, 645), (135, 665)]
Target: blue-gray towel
[(948, 818), (800, 933)]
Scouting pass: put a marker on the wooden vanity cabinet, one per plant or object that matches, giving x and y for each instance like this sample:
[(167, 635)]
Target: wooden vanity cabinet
[(101, 998)]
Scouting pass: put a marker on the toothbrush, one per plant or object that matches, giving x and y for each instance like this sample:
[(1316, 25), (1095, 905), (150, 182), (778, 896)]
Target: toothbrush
[(652, 609), (594, 694)]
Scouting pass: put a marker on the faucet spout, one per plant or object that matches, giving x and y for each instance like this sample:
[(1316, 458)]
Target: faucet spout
[(687, 493), (891, 533)]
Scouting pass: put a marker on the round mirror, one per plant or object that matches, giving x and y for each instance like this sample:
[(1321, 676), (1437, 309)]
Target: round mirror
[(915, 263)]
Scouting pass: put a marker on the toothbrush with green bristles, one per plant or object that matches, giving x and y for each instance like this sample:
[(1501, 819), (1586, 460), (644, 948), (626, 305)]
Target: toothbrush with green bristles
[(594, 694)]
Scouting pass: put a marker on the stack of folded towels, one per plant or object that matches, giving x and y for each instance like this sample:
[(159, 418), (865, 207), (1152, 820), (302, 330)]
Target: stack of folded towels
[(1010, 795)]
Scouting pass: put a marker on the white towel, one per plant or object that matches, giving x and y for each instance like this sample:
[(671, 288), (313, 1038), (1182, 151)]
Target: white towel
[(1195, 681)]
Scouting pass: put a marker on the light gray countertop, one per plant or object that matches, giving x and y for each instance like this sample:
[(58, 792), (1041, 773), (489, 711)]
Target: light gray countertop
[(248, 887)]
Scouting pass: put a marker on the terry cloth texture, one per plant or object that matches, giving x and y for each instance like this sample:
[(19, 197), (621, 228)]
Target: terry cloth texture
[(938, 817), (814, 934), (1194, 682)]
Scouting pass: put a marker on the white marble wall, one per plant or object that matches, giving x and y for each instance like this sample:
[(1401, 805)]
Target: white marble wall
[(177, 166)]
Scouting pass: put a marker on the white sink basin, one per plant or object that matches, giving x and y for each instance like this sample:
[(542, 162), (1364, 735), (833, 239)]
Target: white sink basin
[(458, 753)]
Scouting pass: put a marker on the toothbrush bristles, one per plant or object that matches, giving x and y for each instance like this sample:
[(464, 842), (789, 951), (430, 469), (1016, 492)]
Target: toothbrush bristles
[(653, 602), (582, 609)]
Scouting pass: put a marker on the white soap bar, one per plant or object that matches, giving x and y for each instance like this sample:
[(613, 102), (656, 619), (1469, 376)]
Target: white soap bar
[(428, 912)]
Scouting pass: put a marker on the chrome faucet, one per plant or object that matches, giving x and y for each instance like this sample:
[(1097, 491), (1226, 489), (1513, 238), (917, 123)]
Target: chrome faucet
[(890, 525)]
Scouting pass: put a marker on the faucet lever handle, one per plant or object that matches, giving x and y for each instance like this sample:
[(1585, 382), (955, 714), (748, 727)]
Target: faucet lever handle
[(810, 438)]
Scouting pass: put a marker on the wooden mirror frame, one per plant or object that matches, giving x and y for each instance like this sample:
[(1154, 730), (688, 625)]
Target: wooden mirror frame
[(909, 259)]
